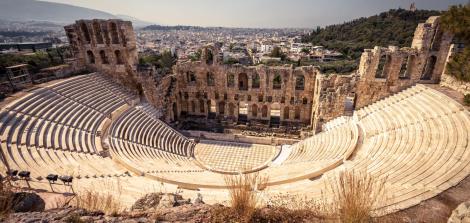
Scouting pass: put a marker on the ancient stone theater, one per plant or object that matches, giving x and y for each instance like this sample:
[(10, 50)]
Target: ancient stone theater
[(185, 131)]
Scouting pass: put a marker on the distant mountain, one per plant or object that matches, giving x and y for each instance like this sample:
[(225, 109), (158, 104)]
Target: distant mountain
[(135, 22), (33, 10), (395, 27)]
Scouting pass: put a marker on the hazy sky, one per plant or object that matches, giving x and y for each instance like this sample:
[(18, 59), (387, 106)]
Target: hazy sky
[(253, 13)]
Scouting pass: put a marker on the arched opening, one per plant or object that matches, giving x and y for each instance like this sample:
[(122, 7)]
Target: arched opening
[(98, 34), (255, 81), (275, 114), (114, 33), (85, 32), (201, 106), (299, 82), (222, 108), (210, 79), (209, 57), (264, 111), (104, 58), (230, 80), (242, 111), (381, 72), (212, 105), (429, 68), (277, 81), (90, 57), (254, 110), (242, 82), (118, 55), (231, 109), (297, 113), (175, 112), (193, 107), (286, 113), (405, 70), (191, 77)]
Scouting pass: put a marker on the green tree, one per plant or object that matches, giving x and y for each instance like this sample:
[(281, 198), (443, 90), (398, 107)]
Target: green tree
[(457, 21), (277, 52)]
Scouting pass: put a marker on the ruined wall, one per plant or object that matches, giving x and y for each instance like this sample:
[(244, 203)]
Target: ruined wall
[(237, 92), (450, 81), (107, 46), (385, 71), (333, 97)]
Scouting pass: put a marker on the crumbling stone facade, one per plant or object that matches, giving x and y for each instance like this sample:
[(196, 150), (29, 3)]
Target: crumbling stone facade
[(249, 94), (266, 96), (384, 71), (108, 46)]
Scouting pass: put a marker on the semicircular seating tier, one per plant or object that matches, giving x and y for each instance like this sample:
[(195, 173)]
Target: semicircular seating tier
[(56, 130)]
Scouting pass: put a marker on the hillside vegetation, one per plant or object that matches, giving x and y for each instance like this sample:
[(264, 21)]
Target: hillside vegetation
[(395, 27)]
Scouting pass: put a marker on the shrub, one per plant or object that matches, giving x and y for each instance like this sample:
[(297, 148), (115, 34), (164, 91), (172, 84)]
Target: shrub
[(355, 195), (466, 99), (108, 203), (243, 193)]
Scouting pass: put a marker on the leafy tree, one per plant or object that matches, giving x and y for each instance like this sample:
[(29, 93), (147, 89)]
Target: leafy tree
[(457, 21), (277, 52), (305, 50), (167, 60)]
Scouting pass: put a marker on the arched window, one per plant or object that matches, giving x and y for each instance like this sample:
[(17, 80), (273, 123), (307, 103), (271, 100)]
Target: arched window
[(255, 81), (381, 71), (277, 81), (264, 111), (222, 108), (90, 56), (114, 33), (85, 32), (286, 113), (209, 57), (429, 68), (193, 107), (201, 106), (175, 112), (254, 110), (304, 101), (242, 82), (98, 34), (297, 113), (231, 109), (299, 82), (210, 79), (118, 55), (104, 58), (191, 77), (230, 80)]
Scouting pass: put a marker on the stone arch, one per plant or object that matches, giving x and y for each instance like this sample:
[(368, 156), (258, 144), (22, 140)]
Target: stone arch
[(222, 108), (286, 113), (277, 81), (230, 80), (231, 109), (275, 110), (299, 82), (201, 106), (209, 57), (380, 72), (242, 81), (86, 32), (90, 57), (264, 111), (210, 79), (405, 67), (297, 113), (255, 81), (104, 58), (98, 33), (118, 55), (193, 107), (429, 68), (254, 110), (114, 33), (190, 77)]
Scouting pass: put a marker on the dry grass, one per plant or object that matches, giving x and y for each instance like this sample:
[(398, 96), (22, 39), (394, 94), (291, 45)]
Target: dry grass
[(107, 202), (243, 193), (6, 197), (355, 196)]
